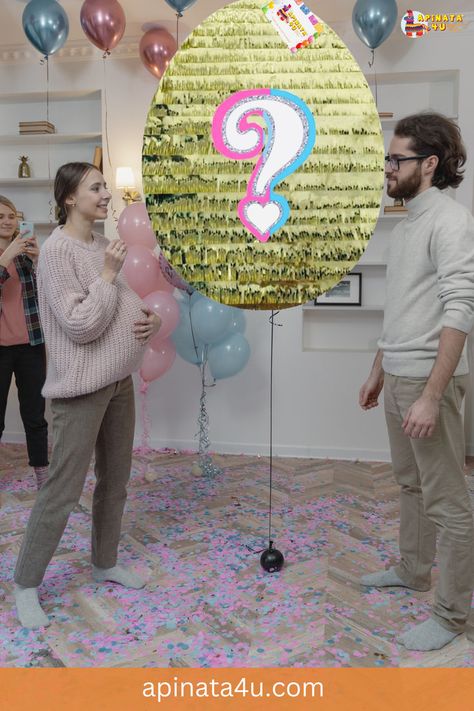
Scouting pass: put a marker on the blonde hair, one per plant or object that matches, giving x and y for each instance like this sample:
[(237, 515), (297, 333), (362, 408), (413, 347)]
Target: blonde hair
[(6, 201)]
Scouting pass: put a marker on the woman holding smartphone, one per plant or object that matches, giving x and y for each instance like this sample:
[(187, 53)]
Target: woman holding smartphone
[(95, 329), (22, 351)]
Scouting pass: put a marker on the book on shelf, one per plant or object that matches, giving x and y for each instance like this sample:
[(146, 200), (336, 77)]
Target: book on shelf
[(97, 159), (386, 114), (36, 127)]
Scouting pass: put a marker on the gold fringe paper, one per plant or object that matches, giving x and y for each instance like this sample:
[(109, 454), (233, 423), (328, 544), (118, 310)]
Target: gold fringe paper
[(192, 191)]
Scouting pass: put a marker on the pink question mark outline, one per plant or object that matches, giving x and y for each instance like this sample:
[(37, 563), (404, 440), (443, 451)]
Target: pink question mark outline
[(245, 124)]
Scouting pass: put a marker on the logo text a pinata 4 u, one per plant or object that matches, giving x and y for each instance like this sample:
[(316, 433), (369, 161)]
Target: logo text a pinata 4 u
[(417, 24)]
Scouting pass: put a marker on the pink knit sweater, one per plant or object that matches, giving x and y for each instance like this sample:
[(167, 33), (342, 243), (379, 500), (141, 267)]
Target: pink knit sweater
[(87, 321)]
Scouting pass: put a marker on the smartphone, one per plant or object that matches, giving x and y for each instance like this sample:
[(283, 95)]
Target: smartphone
[(28, 228)]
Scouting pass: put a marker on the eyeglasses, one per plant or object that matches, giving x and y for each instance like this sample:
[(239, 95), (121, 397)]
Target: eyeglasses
[(395, 162)]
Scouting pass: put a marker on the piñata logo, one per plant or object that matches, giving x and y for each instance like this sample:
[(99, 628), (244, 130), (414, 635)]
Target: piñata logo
[(416, 24), (413, 24)]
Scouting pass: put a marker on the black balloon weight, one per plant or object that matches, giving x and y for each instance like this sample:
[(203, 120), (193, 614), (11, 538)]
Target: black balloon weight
[(272, 559)]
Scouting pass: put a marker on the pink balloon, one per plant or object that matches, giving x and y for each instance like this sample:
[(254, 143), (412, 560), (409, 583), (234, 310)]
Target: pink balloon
[(157, 360), (134, 226), (167, 308), (141, 270), (103, 22), (157, 47)]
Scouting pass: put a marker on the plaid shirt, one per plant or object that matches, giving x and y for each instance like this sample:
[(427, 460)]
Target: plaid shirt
[(27, 276)]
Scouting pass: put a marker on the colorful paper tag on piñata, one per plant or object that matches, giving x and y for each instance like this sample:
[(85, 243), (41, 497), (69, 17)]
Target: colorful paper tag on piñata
[(296, 24)]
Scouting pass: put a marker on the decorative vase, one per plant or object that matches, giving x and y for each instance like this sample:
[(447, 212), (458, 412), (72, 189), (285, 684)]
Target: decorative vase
[(24, 169)]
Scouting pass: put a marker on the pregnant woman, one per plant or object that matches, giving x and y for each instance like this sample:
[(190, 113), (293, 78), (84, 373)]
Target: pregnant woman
[(95, 329)]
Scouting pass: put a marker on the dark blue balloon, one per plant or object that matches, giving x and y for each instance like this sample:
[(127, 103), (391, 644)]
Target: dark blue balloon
[(180, 5), (374, 20), (46, 25)]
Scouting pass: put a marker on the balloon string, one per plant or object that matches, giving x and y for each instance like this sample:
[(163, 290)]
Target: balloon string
[(50, 201), (207, 466), (371, 64), (178, 15), (192, 330), (106, 104), (272, 322), (146, 426), (106, 112)]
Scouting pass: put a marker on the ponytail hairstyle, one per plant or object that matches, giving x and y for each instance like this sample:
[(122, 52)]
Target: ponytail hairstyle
[(6, 201), (66, 182)]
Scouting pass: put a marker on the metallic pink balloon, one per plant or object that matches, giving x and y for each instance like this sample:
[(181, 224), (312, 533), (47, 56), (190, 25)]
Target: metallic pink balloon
[(103, 22), (157, 47)]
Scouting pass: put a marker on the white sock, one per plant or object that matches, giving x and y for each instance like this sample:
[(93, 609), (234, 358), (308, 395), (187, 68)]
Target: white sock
[(117, 574), (427, 636), (29, 609), (384, 579)]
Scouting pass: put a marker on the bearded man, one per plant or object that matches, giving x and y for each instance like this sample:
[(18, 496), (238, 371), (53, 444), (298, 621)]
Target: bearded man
[(421, 364)]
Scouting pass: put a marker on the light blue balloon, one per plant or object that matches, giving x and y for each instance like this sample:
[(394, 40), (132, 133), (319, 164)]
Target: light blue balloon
[(229, 357), (188, 347), (180, 5), (238, 321), (187, 351), (46, 25), (211, 319), (374, 20)]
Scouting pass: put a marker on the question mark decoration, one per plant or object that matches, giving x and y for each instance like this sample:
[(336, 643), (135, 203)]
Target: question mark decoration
[(291, 134)]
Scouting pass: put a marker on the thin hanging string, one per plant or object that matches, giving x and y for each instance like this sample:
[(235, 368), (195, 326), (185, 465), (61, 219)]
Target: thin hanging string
[(272, 322), (104, 57), (178, 15), (372, 64), (192, 330), (50, 201), (145, 448)]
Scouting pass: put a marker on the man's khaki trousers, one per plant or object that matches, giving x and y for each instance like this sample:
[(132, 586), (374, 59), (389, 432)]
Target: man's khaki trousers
[(433, 499)]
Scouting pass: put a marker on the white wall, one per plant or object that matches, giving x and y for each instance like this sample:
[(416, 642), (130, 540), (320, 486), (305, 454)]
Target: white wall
[(315, 394)]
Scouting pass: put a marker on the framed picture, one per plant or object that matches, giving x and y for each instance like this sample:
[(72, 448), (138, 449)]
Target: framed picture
[(347, 293)]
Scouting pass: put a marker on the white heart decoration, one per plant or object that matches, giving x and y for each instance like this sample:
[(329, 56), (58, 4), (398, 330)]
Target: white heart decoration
[(263, 217)]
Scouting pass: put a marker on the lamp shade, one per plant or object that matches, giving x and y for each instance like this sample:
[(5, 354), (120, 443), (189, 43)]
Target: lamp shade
[(124, 178)]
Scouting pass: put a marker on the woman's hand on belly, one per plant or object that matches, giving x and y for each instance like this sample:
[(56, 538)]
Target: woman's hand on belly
[(147, 327)]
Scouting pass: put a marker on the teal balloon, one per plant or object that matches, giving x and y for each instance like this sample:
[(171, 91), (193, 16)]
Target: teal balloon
[(229, 357), (180, 6), (374, 20), (46, 25), (211, 319)]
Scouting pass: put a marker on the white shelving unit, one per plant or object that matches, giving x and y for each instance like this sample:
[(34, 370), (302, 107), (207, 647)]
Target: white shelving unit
[(77, 116), (357, 328), (52, 138), (336, 307), (21, 183)]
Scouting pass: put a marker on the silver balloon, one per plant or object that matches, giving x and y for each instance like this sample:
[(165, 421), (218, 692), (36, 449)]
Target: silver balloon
[(46, 25), (374, 20)]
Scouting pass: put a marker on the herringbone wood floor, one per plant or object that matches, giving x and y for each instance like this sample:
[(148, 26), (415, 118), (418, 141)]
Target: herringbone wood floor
[(207, 602)]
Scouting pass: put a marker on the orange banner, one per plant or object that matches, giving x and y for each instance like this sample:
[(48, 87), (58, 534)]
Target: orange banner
[(285, 689)]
